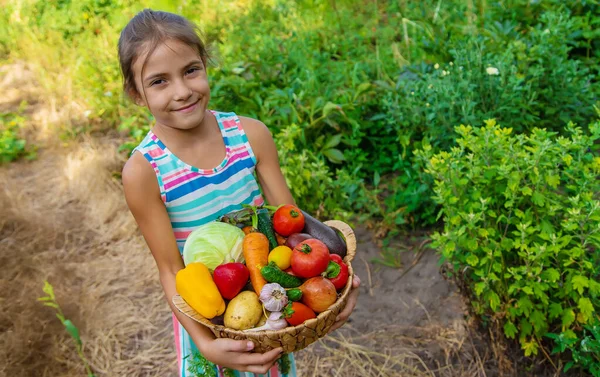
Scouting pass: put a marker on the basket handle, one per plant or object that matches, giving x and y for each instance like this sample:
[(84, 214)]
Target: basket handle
[(349, 236)]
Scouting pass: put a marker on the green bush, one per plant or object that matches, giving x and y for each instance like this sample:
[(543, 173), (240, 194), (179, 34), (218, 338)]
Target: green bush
[(522, 228), (531, 83), (12, 146)]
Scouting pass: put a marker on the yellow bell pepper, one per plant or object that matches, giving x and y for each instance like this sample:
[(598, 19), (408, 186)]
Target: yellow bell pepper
[(195, 285)]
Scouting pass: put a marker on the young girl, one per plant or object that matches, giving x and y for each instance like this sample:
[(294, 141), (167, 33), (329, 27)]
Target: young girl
[(193, 166)]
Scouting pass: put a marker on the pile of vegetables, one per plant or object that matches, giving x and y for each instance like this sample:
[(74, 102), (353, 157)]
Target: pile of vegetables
[(263, 268)]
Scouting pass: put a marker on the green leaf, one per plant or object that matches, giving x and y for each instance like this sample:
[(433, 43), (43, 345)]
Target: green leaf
[(376, 178), (553, 180), (525, 305), (538, 199), (334, 155), (538, 320), (510, 330), (568, 317), (479, 288), (494, 300), (329, 107), (594, 288), (525, 327), (49, 290), (526, 191), (569, 365), (333, 141), (72, 330), (586, 307), (580, 282), (530, 347), (472, 260), (555, 310), (551, 275), (51, 304)]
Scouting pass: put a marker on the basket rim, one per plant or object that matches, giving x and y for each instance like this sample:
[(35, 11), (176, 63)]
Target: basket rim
[(350, 238)]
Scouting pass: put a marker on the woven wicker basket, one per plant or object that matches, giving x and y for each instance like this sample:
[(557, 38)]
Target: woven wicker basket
[(292, 338)]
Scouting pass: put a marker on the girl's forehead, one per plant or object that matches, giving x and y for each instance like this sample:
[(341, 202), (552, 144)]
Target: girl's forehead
[(164, 55)]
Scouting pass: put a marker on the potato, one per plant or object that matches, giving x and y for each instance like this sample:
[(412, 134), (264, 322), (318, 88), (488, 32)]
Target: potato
[(243, 312)]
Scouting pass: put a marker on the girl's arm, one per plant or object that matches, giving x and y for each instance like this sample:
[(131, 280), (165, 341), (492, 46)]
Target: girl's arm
[(268, 170), (143, 198)]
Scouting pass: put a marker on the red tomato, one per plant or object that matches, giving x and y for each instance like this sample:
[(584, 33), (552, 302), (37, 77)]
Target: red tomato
[(310, 258), (297, 313), (288, 219)]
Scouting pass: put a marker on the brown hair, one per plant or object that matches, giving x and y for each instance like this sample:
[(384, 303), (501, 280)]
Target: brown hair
[(145, 31)]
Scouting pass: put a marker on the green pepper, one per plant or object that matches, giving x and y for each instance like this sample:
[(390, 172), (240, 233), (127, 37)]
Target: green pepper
[(294, 294)]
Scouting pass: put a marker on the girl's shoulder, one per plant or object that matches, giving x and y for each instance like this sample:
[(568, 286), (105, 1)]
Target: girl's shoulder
[(254, 128)]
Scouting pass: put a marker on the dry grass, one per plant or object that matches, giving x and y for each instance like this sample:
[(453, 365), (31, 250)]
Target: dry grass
[(395, 351), (63, 218)]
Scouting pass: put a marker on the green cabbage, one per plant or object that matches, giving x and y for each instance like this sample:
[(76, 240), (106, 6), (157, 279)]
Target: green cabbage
[(214, 243)]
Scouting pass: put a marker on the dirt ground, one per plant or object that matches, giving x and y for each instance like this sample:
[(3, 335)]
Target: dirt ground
[(63, 219)]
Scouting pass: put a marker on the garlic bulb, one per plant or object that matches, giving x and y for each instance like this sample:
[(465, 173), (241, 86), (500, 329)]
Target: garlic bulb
[(273, 297)]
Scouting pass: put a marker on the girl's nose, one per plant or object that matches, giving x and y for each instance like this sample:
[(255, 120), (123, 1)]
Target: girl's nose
[(182, 92)]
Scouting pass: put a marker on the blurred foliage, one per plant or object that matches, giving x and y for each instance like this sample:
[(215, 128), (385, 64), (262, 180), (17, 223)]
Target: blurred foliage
[(351, 88)]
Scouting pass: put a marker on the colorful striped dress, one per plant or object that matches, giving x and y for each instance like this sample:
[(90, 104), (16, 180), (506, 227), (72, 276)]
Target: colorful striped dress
[(194, 197)]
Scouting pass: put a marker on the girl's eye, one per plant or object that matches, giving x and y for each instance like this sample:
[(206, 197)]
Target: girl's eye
[(192, 70), (157, 82)]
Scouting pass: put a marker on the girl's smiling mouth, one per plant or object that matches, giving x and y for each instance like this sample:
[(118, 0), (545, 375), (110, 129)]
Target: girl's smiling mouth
[(188, 108)]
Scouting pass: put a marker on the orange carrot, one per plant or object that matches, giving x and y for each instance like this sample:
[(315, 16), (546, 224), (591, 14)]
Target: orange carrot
[(256, 252), (248, 229)]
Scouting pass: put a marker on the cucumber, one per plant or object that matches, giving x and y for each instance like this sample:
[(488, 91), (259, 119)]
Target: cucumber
[(273, 274), (265, 226), (294, 294)]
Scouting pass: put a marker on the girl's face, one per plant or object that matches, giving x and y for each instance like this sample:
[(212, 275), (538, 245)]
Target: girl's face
[(173, 85)]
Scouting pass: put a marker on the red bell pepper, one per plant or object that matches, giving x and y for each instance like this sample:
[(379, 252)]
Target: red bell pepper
[(337, 272), (230, 278)]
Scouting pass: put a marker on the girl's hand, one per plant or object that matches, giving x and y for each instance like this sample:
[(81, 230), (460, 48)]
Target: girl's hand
[(352, 298), (235, 354)]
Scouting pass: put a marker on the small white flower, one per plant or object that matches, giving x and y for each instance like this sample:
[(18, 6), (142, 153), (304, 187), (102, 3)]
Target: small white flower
[(444, 73), (108, 94), (451, 64), (87, 113), (427, 104), (436, 66), (412, 93), (492, 71)]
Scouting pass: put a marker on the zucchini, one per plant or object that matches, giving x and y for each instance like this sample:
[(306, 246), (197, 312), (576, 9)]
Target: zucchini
[(274, 274), (265, 226), (294, 294)]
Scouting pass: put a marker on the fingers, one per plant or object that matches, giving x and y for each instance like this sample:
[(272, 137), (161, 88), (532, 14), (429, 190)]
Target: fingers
[(355, 282), (260, 369), (258, 359), (231, 345), (260, 363)]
